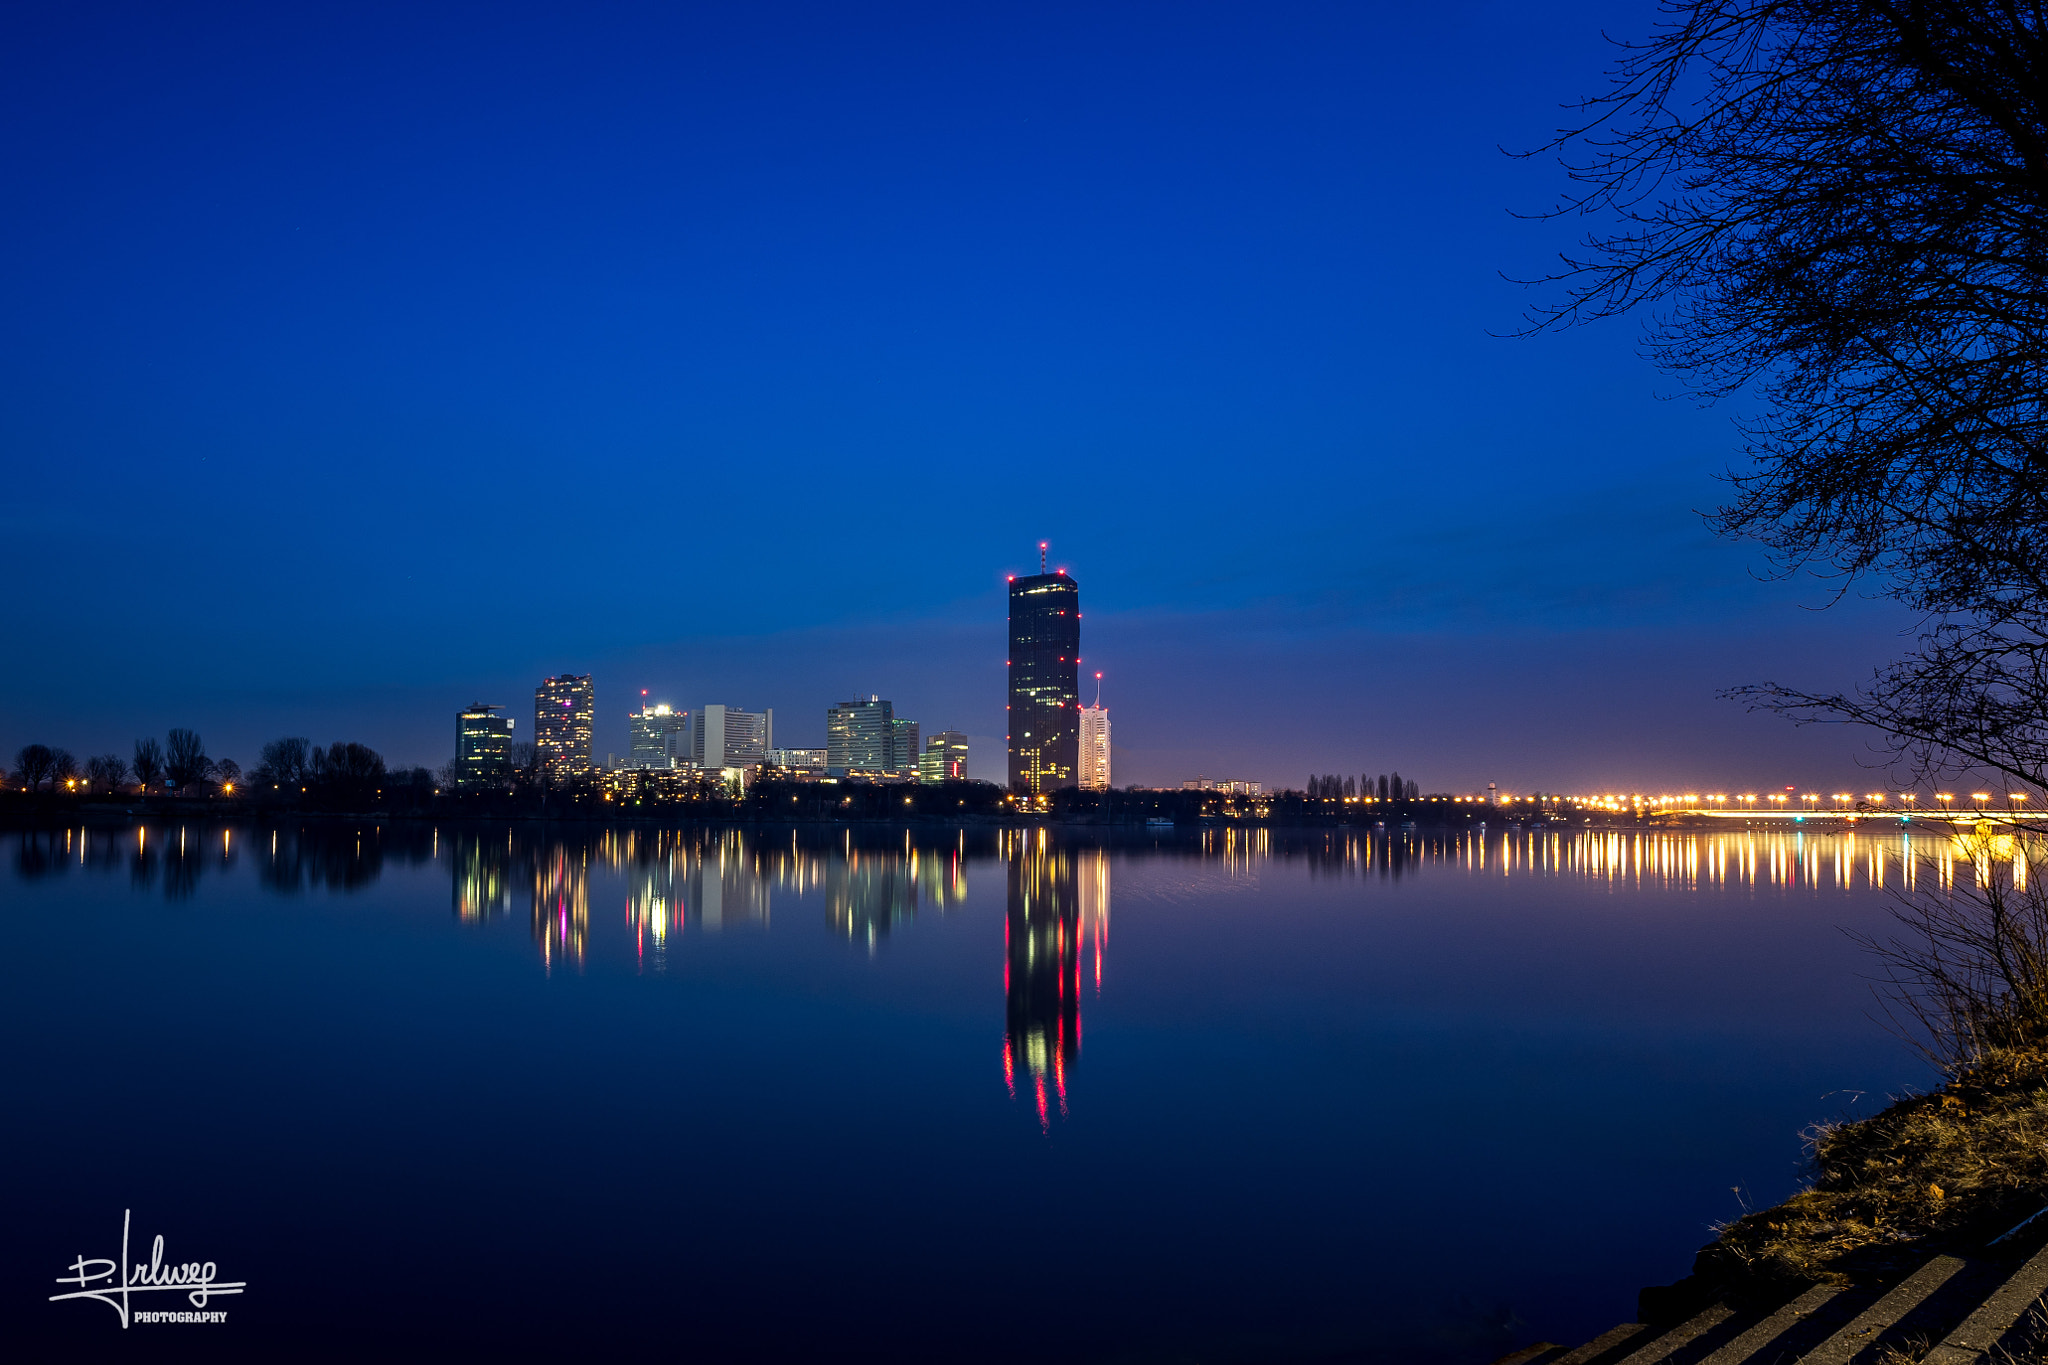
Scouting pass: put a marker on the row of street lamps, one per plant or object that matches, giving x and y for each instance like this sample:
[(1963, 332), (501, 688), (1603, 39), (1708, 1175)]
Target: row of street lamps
[(2014, 800)]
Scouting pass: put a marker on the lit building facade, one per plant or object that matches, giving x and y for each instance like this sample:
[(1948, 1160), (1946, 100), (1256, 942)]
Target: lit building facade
[(1045, 703), (655, 729), (944, 758), (564, 714), (483, 744), (1094, 747), (727, 737), (861, 738)]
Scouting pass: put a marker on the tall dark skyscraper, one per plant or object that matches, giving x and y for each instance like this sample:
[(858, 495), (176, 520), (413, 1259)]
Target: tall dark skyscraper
[(1045, 699)]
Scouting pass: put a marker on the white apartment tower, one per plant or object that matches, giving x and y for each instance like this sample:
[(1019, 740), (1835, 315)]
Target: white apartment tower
[(727, 737), (1093, 767)]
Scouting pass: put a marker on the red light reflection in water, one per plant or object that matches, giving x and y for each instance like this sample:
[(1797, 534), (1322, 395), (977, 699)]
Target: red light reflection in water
[(1057, 902)]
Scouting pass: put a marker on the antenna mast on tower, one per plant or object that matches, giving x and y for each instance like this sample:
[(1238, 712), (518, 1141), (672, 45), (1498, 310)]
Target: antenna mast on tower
[(1098, 691), (1041, 556)]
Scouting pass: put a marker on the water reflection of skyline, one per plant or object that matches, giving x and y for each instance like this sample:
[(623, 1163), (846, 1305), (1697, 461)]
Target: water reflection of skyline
[(1056, 919), (646, 892), (868, 885)]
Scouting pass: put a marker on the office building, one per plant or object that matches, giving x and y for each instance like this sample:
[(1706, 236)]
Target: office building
[(903, 748), (727, 737), (1045, 703), (861, 738), (483, 744), (798, 760), (655, 732), (564, 714), (1093, 744), (944, 758)]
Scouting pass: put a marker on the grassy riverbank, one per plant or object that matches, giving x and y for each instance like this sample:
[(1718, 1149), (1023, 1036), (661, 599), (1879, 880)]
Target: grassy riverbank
[(1946, 1171)]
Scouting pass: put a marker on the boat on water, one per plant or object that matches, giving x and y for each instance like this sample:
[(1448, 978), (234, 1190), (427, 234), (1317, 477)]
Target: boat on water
[(1159, 822)]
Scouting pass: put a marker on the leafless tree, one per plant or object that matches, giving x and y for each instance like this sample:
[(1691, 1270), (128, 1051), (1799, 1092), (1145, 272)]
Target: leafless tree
[(32, 765), (286, 762), (224, 771), (106, 773), (1966, 971), (185, 758), (1841, 208), (63, 769), (148, 764)]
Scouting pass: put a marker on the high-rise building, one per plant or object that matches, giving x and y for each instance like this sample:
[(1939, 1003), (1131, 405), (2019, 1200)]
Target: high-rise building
[(483, 742), (654, 731), (903, 748), (1093, 745), (1045, 703), (944, 758), (564, 711), (727, 737), (860, 738)]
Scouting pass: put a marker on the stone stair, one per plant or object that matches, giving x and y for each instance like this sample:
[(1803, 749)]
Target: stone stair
[(1951, 1310)]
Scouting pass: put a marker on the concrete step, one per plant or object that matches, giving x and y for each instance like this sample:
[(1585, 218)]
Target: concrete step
[(1608, 1343), (1969, 1307), (1976, 1335), (1802, 1311), (1866, 1328), (1665, 1345)]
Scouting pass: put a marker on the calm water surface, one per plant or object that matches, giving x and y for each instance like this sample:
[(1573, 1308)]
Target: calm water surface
[(477, 1093)]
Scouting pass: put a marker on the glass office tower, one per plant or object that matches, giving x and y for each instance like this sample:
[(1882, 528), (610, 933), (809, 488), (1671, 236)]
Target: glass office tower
[(655, 729), (483, 742), (1045, 701), (860, 738)]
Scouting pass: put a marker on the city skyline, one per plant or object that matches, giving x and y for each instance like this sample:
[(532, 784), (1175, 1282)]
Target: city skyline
[(221, 347)]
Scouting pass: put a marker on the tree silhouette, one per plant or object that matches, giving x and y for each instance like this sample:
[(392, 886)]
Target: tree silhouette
[(148, 763), (286, 762), (1841, 207), (106, 773), (184, 758), (32, 765)]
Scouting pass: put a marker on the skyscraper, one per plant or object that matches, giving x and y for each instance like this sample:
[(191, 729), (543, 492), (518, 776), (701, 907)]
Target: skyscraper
[(1045, 704), (727, 737), (902, 747), (944, 758), (860, 738), (483, 740), (564, 710), (654, 728), (1094, 743)]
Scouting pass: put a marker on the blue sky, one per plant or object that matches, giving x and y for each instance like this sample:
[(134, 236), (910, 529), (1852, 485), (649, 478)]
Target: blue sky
[(359, 362)]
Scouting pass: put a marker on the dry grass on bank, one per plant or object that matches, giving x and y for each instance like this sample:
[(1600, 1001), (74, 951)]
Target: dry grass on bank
[(1952, 1168)]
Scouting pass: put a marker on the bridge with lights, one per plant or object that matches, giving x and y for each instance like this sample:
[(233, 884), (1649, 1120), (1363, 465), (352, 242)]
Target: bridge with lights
[(1795, 807)]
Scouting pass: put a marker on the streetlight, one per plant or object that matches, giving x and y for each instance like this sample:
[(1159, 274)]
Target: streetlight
[(1980, 798), (1944, 798)]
